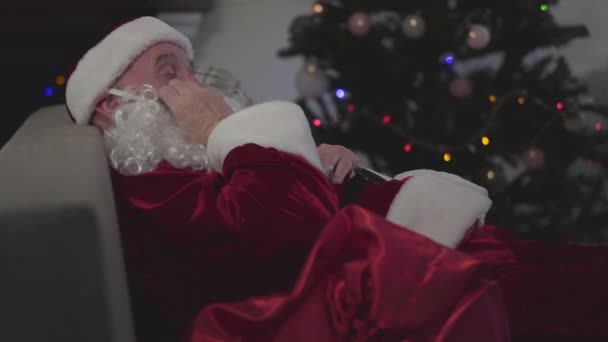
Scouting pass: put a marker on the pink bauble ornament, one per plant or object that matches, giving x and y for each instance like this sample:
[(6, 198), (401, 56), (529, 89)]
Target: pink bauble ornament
[(461, 87), (311, 81), (534, 159), (359, 24), (479, 37)]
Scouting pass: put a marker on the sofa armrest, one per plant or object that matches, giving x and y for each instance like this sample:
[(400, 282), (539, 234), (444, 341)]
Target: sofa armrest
[(52, 163)]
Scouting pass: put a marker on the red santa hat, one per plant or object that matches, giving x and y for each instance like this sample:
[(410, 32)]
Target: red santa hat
[(103, 64)]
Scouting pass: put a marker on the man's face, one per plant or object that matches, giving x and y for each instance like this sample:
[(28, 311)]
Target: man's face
[(147, 133), (157, 66)]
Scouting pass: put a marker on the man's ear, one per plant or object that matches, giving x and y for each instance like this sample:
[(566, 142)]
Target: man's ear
[(107, 105)]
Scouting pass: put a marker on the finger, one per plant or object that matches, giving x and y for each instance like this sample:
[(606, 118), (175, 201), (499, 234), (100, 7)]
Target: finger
[(355, 159), (192, 84), (215, 102), (207, 97), (327, 166), (343, 168), (176, 82), (186, 84), (330, 169), (343, 151), (168, 92), (322, 148), (192, 77), (331, 163), (170, 96), (352, 173), (324, 155), (185, 88)]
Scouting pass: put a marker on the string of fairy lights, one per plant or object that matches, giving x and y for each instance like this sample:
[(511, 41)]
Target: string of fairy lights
[(482, 136), (312, 82)]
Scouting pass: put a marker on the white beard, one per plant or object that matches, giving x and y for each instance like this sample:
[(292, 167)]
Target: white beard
[(146, 134)]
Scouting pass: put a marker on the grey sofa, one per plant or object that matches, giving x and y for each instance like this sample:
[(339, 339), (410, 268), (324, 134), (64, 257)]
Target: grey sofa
[(62, 276)]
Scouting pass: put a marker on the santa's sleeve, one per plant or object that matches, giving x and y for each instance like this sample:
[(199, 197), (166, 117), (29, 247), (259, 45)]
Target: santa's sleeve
[(277, 124), (441, 206), (267, 193)]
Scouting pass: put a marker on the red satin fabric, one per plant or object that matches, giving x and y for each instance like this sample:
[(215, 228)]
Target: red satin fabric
[(551, 292), (243, 238), (368, 280), (195, 237)]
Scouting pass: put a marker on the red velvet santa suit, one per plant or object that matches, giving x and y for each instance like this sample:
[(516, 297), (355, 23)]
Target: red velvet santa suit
[(264, 240)]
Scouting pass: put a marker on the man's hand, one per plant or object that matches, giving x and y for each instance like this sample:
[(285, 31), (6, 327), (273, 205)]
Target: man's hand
[(338, 161), (197, 110)]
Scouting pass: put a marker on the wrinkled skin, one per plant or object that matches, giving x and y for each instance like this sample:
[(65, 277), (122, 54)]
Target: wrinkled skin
[(339, 161)]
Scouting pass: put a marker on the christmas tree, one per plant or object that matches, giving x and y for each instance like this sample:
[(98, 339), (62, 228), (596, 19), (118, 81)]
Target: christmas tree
[(470, 87)]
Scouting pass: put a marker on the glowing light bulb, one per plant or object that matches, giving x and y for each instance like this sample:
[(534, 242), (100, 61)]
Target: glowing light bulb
[(386, 119), (559, 106), (407, 148), (598, 126), (493, 99), (317, 122), (447, 157), (521, 100), (449, 60), (491, 175), (485, 141), (48, 91), (318, 8), (544, 7), (60, 80), (340, 93)]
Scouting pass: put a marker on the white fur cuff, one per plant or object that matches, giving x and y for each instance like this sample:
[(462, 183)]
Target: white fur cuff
[(439, 206), (446, 176), (276, 124)]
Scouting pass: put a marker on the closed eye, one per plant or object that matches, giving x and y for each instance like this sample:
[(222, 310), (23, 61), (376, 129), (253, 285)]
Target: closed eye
[(168, 73)]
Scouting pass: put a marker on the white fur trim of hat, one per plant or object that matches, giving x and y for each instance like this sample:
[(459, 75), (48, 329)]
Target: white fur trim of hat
[(102, 65)]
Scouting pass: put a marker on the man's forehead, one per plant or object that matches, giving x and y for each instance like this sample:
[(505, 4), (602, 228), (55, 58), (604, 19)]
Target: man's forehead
[(148, 61), (166, 49)]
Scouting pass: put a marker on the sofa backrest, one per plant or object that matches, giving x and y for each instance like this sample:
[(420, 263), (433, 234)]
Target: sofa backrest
[(52, 164)]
